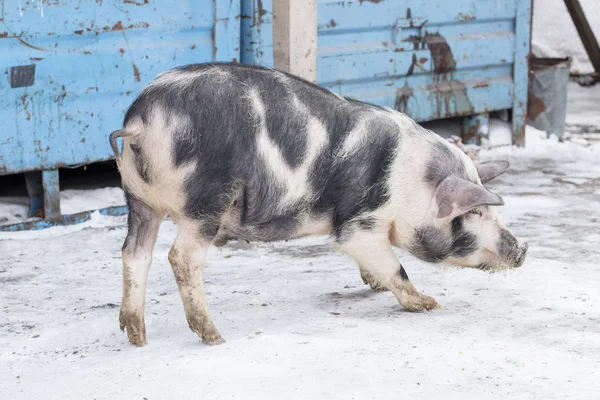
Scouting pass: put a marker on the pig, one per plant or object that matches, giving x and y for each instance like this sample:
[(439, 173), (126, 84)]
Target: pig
[(237, 152)]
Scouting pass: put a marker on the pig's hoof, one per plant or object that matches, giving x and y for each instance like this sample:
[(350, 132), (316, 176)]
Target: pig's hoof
[(205, 329), (419, 302), (135, 327), (368, 279), (212, 338)]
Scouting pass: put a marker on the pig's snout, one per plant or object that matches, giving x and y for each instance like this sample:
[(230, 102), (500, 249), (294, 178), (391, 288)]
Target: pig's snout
[(522, 253)]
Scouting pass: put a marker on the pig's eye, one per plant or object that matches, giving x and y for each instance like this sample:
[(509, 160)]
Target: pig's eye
[(476, 212)]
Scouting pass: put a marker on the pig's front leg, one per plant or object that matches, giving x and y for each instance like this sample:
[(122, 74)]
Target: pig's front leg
[(368, 279), (374, 255)]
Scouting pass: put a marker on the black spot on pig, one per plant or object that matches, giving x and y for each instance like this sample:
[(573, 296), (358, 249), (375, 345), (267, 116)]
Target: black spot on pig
[(442, 163), (435, 245), (139, 222), (402, 273), (140, 162)]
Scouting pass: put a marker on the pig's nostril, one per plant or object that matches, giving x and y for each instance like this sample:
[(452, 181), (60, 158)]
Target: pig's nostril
[(521, 257)]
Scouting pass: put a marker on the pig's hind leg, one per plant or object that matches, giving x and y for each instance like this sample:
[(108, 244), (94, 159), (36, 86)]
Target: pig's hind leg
[(187, 258), (137, 255), (373, 253)]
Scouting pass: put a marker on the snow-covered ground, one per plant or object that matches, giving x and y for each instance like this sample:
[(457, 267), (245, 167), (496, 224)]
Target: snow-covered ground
[(298, 321)]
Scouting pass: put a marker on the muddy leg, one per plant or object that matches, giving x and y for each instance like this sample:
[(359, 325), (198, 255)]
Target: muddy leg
[(187, 257), (375, 256), (368, 279), (137, 255)]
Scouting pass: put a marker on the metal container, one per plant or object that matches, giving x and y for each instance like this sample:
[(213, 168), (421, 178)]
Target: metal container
[(548, 84), (431, 59)]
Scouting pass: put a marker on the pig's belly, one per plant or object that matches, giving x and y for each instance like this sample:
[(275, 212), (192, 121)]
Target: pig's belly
[(279, 228)]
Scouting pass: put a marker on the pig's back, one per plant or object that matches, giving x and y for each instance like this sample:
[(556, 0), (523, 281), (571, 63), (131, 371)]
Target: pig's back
[(274, 145)]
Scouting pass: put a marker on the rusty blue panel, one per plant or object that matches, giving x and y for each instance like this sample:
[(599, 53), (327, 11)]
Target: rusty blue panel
[(431, 59), (521, 71), (69, 70)]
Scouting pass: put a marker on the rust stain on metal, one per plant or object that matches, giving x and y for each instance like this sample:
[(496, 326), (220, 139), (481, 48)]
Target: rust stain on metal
[(3, 35), (78, 32), (118, 26), (441, 54), (423, 60), (481, 85), (472, 132), (38, 144), (519, 136), (136, 3), (193, 47), (535, 106), (61, 96), (24, 43), (331, 24), (136, 73), (465, 17), (25, 106), (402, 97), (122, 51), (417, 41), (411, 69), (258, 14), (448, 96)]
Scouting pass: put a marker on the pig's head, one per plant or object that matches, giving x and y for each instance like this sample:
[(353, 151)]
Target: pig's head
[(461, 226)]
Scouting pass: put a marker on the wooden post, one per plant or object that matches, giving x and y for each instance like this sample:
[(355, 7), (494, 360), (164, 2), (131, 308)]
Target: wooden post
[(295, 37)]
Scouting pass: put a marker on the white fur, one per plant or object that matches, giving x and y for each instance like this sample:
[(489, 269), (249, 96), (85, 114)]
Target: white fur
[(294, 180), (373, 253), (355, 138), (178, 79), (165, 192)]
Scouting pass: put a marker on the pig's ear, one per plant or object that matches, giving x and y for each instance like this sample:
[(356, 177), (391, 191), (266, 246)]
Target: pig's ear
[(491, 169), (456, 196)]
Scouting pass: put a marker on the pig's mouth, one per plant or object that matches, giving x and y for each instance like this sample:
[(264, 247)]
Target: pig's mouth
[(515, 261)]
